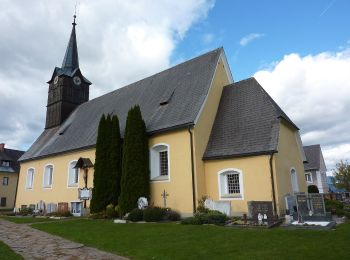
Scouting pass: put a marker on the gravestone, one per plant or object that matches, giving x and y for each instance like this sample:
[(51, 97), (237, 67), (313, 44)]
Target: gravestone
[(290, 204), (222, 206), (317, 204), (302, 204), (256, 209), (142, 203), (62, 207), (338, 196)]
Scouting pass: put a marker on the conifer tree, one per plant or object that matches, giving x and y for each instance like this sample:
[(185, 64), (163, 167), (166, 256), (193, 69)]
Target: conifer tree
[(98, 191), (135, 165), (115, 161)]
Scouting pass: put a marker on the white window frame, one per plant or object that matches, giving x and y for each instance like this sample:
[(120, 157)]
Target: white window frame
[(45, 186), (5, 163), (155, 162), (309, 174), (71, 184), (296, 180), (27, 187), (223, 185)]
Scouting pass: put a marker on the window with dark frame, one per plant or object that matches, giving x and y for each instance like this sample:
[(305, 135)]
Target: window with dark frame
[(3, 202), (233, 186), (163, 163), (76, 175), (5, 181)]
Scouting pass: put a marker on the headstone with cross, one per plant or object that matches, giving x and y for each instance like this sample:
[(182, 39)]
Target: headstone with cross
[(164, 196)]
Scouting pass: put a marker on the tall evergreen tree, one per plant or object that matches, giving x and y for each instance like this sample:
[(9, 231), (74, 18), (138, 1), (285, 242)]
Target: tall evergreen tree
[(115, 161), (98, 191), (135, 165)]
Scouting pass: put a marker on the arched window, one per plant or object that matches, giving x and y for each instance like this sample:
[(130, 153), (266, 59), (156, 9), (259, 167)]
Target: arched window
[(159, 162), (30, 178), (48, 175), (73, 174), (294, 180), (230, 184)]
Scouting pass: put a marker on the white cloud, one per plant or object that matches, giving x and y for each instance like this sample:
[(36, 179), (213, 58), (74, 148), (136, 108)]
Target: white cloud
[(314, 91), (249, 38), (119, 42)]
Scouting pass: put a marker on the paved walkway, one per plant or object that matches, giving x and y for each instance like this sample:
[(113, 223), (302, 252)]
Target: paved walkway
[(35, 244)]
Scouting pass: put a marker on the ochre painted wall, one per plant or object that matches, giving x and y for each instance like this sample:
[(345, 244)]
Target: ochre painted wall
[(202, 129), (288, 157), (9, 191), (60, 192), (179, 185), (256, 180)]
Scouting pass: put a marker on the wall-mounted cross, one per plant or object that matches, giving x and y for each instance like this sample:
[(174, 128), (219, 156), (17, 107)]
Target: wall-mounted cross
[(164, 195)]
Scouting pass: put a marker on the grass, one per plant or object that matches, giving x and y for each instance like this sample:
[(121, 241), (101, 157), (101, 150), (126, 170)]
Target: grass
[(26, 220), (176, 241), (7, 253)]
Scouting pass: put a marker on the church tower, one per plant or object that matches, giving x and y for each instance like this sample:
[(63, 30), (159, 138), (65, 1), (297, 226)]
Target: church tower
[(68, 88)]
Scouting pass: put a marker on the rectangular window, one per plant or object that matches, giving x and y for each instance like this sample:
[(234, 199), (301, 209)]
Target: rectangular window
[(6, 163), (73, 175), (233, 183), (5, 181), (3, 202), (163, 163), (30, 179), (308, 177), (48, 176)]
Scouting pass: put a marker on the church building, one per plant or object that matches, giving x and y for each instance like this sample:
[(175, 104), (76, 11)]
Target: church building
[(208, 136)]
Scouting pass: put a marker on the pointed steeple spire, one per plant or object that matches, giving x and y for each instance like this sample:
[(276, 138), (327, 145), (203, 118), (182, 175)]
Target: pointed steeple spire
[(71, 59)]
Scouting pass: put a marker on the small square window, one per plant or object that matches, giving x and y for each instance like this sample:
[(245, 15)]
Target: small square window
[(308, 177), (6, 163), (5, 181)]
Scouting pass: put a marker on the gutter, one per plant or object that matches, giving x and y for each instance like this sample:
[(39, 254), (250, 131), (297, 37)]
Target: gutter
[(273, 186), (14, 205), (192, 170)]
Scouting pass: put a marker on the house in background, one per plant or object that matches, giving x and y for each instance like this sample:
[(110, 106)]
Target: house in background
[(9, 170), (208, 136), (315, 168)]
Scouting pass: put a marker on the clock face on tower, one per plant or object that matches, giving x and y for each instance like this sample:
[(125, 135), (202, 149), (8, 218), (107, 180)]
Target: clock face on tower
[(77, 80)]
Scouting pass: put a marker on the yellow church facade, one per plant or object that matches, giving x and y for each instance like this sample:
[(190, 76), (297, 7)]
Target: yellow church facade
[(208, 136)]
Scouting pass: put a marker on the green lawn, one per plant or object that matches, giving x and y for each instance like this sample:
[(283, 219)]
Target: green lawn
[(176, 241), (7, 253), (26, 220)]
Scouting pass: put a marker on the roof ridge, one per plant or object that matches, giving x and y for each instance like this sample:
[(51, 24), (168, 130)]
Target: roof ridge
[(135, 82), (14, 150)]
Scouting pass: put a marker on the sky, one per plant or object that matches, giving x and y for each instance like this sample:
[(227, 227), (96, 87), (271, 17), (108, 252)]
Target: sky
[(299, 51)]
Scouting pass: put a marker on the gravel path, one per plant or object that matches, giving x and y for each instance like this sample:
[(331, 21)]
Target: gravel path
[(35, 244)]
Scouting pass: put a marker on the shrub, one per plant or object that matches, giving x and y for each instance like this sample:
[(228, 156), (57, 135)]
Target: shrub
[(110, 211), (135, 215), (191, 221), (212, 217), (171, 215), (312, 189), (200, 207), (333, 205), (99, 215), (153, 214), (26, 211), (216, 217)]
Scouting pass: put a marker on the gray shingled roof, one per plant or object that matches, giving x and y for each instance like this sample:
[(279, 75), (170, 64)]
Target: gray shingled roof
[(12, 156), (247, 122), (313, 157), (184, 87)]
